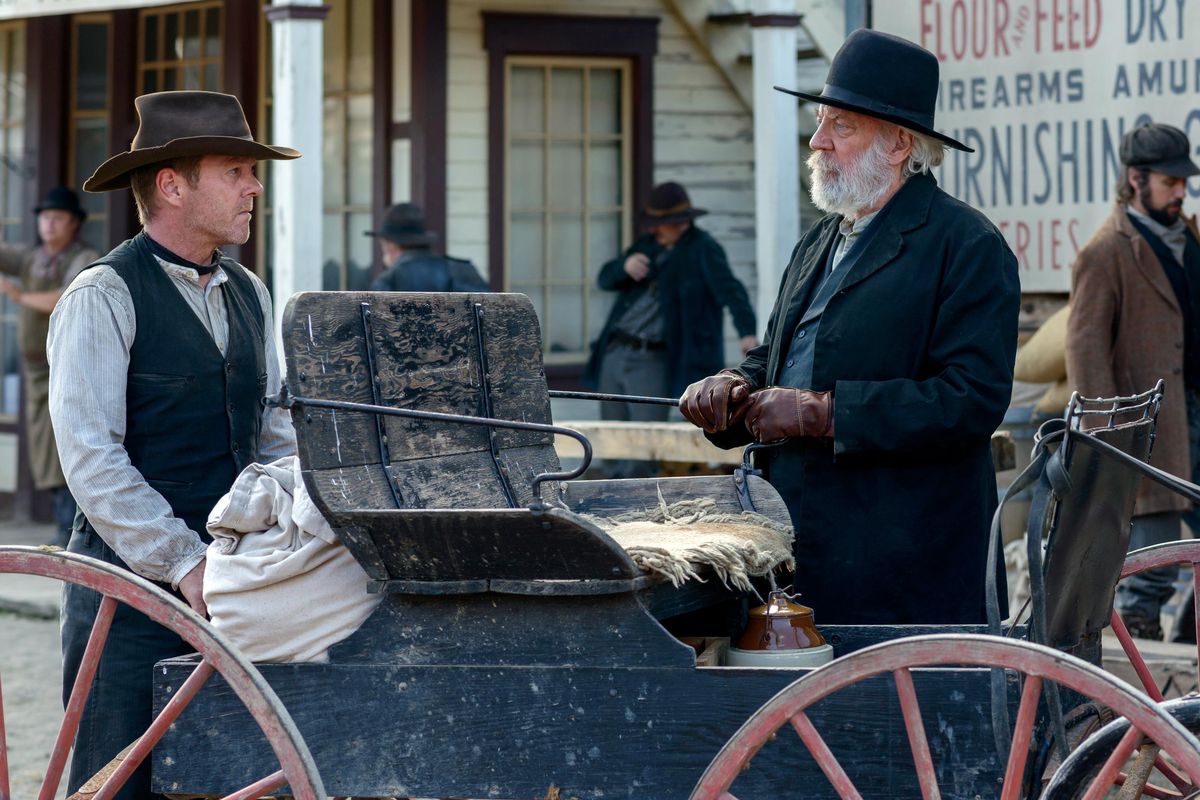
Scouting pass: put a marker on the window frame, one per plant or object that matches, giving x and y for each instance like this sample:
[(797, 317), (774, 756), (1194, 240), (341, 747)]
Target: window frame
[(19, 217), (548, 211), (75, 113), (516, 34), (205, 59)]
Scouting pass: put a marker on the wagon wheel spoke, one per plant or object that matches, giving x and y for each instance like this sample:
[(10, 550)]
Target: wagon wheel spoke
[(1112, 767), (79, 695), (296, 767), (825, 757), (1154, 557), (1150, 790), (276, 780), (1041, 666), (917, 739), (137, 754), (1135, 657), (1170, 773), (1018, 752), (5, 794), (1134, 782)]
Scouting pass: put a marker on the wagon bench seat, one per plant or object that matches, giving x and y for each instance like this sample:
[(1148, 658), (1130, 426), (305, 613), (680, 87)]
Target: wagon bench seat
[(437, 507)]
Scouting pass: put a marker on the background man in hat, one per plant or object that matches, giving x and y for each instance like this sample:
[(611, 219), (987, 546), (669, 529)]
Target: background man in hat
[(665, 329), (1135, 318), (43, 270), (888, 359), (407, 248), (160, 354)]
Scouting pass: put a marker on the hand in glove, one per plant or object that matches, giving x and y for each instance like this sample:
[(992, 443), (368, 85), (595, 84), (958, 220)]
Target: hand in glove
[(715, 402), (779, 413)]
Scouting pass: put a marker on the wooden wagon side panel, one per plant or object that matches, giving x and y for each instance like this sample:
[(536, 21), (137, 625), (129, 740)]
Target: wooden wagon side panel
[(488, 731)]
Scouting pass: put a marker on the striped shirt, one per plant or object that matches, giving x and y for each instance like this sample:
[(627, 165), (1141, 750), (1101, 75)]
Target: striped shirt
[(91, 333)]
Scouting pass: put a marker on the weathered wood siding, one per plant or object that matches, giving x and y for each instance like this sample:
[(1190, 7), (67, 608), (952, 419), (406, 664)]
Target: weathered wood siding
[(703, 135)]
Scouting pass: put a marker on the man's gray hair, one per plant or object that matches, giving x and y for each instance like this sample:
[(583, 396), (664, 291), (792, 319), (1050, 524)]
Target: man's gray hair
[(927, 153)]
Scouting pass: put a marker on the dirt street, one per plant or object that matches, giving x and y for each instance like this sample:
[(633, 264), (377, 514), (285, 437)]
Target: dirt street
[(30, 672)]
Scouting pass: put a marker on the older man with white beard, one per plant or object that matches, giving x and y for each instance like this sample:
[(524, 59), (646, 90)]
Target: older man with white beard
[(887, 362)]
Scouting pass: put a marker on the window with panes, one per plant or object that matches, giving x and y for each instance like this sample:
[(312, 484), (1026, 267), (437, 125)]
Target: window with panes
[(14, 175), (568, 190), (348, 166), (89, 114), (180, 48)]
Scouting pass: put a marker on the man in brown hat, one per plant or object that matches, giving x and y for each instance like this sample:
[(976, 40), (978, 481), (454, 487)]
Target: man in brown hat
[(665, 329), (1135, 318), (888, 359), (43, 271), (407, 248), (160, 355)]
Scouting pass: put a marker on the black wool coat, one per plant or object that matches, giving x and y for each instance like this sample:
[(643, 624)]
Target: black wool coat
[(917, 346), (695, 281)]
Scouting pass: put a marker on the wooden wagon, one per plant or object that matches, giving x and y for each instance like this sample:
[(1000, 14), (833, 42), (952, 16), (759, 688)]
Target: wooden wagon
[(518, 652)]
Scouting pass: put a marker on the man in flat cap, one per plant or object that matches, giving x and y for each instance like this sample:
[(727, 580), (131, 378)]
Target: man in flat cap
[(42, 271), (888, 359), (160, 354), (1135, 318)]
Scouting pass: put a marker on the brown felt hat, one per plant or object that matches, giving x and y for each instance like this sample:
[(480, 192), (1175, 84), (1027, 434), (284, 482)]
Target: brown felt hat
[(669, 203), (182, 124)]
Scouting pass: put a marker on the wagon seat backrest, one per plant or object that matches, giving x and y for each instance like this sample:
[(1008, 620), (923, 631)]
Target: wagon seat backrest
[(426, 352), (1085, 522)]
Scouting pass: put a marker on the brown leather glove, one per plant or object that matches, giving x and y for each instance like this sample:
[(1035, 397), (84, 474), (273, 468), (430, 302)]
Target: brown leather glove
[(780, 413), (716, 402)]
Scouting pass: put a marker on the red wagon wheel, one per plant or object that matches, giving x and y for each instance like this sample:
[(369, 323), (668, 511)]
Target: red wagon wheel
[(1147, 558), (296, 766), (1035, 662)]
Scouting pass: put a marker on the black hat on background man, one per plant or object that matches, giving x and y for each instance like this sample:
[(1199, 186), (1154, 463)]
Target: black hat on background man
[(1161, 148), (404, 225), (60, 198), (885, 77), (669, 203)]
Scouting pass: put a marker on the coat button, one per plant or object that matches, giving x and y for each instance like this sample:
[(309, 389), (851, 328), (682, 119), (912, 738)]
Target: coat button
[(803, 334), (791, 363)]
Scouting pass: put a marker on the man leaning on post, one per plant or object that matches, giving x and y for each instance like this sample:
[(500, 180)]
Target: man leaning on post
[(887, 362)]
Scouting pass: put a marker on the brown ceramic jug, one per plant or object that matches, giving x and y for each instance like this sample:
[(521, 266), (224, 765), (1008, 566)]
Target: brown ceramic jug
[(780, 624)]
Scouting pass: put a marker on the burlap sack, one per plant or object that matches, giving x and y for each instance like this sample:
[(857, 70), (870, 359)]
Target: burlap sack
[(278, 581)]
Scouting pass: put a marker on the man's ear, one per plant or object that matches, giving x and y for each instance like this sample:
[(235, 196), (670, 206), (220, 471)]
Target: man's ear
[(169, 184), (901, 147)]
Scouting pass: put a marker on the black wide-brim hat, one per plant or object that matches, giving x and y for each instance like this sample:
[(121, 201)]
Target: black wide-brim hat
[(60, 198), (885, 77), (404, 224), (668, 204), (183, 124)]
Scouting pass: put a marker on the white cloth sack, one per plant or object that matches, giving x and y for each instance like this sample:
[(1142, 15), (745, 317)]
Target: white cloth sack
[(278, 581)]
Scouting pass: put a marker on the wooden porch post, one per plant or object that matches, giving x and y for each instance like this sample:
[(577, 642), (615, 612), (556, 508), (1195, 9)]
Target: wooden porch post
[(776, 147), (298, 44)]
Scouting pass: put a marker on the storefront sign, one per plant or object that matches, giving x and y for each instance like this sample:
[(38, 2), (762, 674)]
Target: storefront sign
[(1043, 90)]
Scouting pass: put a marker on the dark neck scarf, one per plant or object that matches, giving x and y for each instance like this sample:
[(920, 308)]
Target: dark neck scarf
[(166, 255)]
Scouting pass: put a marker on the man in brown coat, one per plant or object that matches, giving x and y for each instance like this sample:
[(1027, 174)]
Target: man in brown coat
[(1135, 318)]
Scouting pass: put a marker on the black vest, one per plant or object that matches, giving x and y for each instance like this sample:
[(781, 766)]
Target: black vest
[(192, 417)]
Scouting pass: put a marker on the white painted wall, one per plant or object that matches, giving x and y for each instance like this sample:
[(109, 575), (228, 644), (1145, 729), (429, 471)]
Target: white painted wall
[(703, 135)]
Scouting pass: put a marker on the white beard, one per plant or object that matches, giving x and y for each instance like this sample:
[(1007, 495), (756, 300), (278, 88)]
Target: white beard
[(860, 186)]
